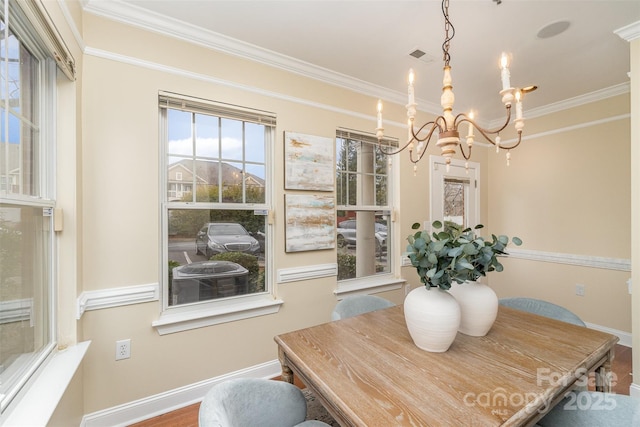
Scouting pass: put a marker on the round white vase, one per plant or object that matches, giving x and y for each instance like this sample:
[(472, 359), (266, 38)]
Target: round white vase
[(433, 318), (478, 307)]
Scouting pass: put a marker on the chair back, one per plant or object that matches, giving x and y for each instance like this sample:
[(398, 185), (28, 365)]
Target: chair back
[(251, 402), (358, 304), (543, 308)]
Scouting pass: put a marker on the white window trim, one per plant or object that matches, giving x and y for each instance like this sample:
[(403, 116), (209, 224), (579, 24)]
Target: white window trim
[(37, 366), (372, 284), (172, 321), (392, 280), (191, 316), (47, 389)]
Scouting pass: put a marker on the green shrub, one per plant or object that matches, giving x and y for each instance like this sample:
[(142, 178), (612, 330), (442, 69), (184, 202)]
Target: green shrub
[(248, 261), (346, 266)]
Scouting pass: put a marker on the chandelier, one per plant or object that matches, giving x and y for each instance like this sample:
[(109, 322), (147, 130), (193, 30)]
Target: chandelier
[(447, 125)]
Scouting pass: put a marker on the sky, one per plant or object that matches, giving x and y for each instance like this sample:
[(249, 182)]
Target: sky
[(209, 130)]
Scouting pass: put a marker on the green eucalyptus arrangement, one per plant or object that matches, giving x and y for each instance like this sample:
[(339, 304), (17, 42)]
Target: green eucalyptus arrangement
[(454, 254)]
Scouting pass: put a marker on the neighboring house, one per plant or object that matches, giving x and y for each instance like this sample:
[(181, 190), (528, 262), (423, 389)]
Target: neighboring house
[(181, 178)]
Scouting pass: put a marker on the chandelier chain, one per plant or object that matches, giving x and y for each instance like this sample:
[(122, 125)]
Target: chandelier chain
[(448, 26)]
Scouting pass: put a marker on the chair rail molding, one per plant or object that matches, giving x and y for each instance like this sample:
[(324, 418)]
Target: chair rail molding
[(307, 272), (114, 297), (619, 264)]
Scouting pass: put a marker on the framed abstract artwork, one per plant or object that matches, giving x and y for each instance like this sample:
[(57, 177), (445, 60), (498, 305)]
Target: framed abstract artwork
[(310, 222), (308, 162)]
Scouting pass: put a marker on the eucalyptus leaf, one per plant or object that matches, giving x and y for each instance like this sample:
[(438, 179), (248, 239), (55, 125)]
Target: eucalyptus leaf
[(469, 249), (432, 258), (455, 254), (419, 243)]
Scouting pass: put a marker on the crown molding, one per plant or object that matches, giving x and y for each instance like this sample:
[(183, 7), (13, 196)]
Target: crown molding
[(133, 15), (576, 101), (629, 32), (136, 16)]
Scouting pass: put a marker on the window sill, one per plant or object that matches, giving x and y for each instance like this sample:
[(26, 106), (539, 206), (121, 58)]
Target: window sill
[(40, 400), (367, 285), (187, 318)]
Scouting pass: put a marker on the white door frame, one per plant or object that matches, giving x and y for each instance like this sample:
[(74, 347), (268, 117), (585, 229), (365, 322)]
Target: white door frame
[(437, 174)]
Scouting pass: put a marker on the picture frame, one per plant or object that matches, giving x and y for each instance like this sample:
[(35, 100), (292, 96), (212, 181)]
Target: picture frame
[(310, 223), (309, 162)]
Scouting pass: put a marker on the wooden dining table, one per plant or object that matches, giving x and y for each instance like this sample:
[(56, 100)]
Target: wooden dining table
[(367, 371)]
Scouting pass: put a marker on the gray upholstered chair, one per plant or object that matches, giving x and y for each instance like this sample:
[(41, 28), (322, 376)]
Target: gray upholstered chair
[(358, 304), (543, 308), (252, 402), (594, 409)]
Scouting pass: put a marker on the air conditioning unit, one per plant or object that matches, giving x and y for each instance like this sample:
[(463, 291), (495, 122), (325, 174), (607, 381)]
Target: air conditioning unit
[(207, 280)]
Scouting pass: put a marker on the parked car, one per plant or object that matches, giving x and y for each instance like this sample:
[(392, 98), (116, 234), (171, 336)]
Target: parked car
[(218, 237), (346, 234)]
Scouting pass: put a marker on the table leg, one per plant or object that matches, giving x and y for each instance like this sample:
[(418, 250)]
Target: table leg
[(604, 375), (287, 373)]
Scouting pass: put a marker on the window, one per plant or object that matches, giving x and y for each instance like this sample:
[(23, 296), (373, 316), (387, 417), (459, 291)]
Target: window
[(454, 193), (363, 213), (216, 202), (27, 202)]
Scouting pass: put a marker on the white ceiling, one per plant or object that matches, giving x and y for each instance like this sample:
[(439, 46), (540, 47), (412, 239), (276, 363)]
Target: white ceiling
[(365, 44)]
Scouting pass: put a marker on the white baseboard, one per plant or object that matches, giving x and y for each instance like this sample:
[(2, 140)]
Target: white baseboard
[(171, 400), (634, 390), (625, 337)]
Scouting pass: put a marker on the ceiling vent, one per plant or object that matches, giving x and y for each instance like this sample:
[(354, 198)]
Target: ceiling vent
[(422, 56)]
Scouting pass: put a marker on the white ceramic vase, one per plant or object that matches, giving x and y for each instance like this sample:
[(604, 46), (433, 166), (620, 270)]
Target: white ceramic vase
[(433, 318), (478, 307)]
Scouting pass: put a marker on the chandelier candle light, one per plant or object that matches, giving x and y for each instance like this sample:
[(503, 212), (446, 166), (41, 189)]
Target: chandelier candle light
[(447, 125)]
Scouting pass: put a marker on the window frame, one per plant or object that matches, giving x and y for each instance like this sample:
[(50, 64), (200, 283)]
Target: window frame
[(30, 36), (177, 318), (382, 281)]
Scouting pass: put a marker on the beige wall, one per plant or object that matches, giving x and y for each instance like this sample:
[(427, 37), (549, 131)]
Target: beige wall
[(563, 192), (568, 191), (121, 214)]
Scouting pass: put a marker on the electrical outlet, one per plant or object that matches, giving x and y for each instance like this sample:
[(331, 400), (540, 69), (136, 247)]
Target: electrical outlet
[(580, 290), (123, 349)]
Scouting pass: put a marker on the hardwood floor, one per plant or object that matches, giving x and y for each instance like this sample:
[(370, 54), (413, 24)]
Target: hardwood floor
[(188, 416)]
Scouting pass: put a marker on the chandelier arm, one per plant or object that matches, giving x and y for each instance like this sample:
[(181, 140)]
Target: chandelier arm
[(466, 156), (427, 138), (463, 117), (392, 152), (507, 120), (514, 145), (424, 151), (433, 124)]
